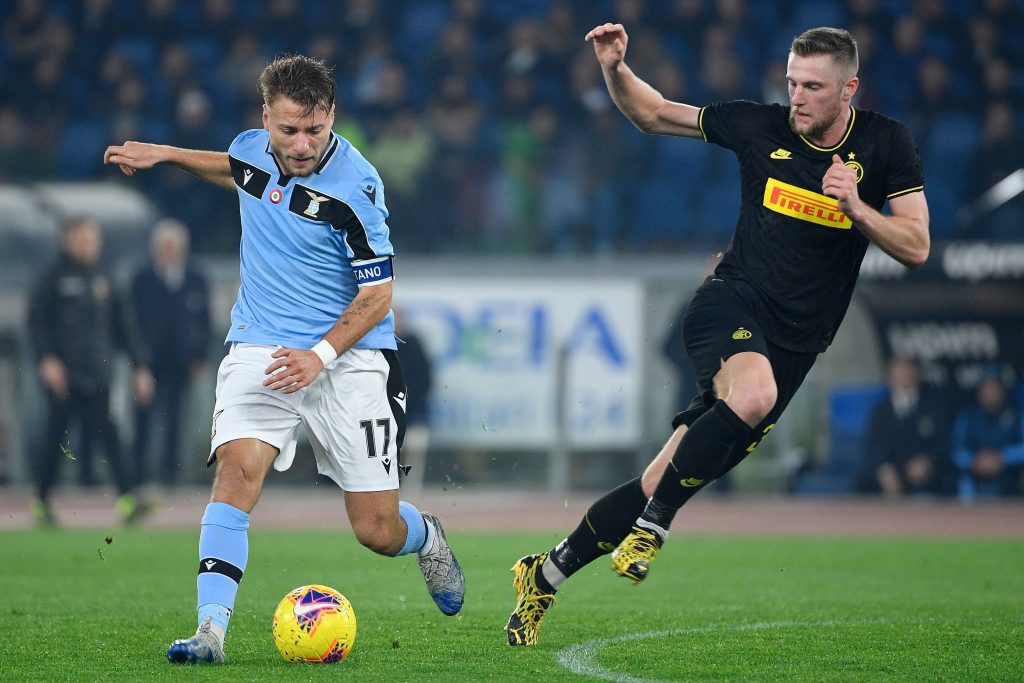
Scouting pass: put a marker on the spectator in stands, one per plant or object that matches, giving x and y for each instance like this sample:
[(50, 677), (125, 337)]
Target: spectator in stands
[(14, 149), (1000, 153), (55, 67), (933, 89), (77, 321), (172, 301), (1002, 81), (453, 194), (404, 154), (906, 448), (28, 33), (988, 441), (561, 185)]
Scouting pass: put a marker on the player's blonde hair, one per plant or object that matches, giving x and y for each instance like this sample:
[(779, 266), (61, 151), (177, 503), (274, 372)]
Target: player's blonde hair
[(837, 42)]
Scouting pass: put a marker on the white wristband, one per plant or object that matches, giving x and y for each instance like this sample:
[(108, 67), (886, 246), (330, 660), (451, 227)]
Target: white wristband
[(326, 352)]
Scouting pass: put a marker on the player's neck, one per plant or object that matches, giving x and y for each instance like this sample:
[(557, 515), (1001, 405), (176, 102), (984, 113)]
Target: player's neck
[(835, 133)]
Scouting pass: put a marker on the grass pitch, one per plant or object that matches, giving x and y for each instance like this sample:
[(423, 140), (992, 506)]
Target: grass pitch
[(75, 607)]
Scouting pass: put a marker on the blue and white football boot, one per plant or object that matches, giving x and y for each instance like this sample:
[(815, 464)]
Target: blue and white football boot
[(441, 571), (202, 648)]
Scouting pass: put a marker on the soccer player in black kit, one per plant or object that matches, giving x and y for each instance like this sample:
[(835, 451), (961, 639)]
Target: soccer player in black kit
[(814, 177)]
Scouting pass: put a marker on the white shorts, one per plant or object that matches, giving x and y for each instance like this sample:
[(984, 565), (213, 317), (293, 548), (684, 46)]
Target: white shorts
[(354, 414)]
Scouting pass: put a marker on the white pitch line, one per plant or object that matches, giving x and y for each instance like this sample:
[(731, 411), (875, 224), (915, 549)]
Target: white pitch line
[(579, 658)]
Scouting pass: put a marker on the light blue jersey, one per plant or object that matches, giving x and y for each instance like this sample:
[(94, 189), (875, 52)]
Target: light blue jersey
[(308, 244)]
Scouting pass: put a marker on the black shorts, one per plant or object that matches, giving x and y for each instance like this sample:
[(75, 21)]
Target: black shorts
[(718, 325)]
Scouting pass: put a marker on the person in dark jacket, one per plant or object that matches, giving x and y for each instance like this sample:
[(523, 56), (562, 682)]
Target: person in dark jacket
[(77, 321), (988, 441), (906, 448), (418, 371), (171, 301)]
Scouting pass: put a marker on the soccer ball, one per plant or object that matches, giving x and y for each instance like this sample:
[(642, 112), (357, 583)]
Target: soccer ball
[(314, 624)]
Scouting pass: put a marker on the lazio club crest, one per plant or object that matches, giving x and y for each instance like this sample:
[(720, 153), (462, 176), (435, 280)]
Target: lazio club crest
[(314, 204)]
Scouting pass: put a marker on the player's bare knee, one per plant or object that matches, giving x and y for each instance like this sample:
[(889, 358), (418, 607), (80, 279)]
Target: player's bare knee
[(378, 536), (753, 403), (379, 542), (232, 485), (240, 473)]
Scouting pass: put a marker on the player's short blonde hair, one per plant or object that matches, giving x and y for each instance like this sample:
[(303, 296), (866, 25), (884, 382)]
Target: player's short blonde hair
[(837, 42)]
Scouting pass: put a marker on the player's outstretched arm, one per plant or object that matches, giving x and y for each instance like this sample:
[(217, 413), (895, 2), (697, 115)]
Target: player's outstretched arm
[(903, 235), (643, 105), (213, 167)]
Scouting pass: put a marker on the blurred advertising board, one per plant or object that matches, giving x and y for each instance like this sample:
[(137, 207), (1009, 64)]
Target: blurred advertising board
[(496, 347), (962, 311)]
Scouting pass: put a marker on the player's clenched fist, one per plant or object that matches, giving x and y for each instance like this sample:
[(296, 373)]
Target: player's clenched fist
[(132, 156), (840, 181), (609, 43)]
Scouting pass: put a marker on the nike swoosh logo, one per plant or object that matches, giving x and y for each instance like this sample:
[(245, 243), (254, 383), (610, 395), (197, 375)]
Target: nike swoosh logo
[(303, 610), (781, 154)]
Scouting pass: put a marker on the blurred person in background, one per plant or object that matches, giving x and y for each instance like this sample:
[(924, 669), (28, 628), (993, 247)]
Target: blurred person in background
[(418, 371), (815, 176), (988, 441), (171, 300), (403, 153), (906, 448), (78, 321), (312, 341)]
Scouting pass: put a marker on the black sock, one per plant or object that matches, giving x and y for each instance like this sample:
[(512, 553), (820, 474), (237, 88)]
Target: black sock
[(697, 461), (606, 523)]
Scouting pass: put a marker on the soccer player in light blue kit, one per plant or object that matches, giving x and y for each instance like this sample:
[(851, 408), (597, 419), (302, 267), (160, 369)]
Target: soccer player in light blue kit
[(312, 341)]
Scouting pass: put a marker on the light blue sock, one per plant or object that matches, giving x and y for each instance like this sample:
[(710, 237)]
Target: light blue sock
[(223, 553), (417, 533)]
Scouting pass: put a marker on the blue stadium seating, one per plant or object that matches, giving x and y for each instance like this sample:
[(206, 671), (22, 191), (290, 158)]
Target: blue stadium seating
[(80, 153), (946, 155), (408, 32), (849, 412)]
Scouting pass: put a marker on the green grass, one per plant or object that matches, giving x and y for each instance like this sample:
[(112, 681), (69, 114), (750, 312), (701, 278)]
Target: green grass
[(73, 607)]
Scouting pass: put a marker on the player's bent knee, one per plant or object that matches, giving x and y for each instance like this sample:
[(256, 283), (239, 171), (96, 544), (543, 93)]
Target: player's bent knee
[(753, 404), (233, 486), (380, 540), (380, 533)]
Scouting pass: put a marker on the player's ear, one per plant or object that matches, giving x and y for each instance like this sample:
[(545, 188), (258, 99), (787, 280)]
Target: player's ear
[(266, 118), (850, 88)]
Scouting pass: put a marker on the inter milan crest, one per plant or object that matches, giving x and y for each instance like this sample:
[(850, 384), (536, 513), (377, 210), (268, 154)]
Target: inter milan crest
[(855, 165)]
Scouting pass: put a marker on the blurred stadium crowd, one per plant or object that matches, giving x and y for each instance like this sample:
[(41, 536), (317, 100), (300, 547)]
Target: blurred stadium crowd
[(489, 121)]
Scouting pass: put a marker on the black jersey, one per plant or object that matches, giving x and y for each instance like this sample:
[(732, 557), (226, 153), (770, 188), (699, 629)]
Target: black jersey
[(794, 257)]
